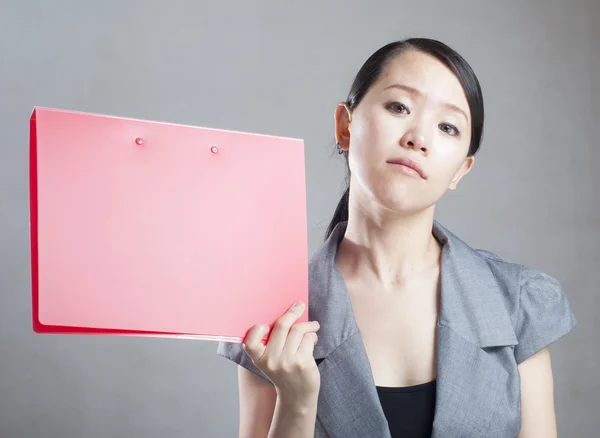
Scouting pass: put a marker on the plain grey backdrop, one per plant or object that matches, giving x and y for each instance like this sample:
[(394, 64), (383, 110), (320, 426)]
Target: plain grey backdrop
[(280, 68)]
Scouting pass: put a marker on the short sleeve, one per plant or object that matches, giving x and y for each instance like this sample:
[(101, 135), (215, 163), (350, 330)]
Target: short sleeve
[(235, 352), (544, 314)]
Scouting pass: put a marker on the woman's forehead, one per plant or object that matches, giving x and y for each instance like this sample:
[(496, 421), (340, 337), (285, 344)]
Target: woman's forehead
[(425, 73)]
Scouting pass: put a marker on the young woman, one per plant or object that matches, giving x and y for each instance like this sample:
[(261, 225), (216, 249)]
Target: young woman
[(419, 334)]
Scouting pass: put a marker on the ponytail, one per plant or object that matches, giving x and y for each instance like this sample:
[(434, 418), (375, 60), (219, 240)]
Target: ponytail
[(341, 213)]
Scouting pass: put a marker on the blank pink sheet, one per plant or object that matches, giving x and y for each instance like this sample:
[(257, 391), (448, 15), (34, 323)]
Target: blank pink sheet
[(155, 229)]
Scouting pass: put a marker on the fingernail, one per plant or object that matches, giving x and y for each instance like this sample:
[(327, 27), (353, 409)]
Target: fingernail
[(298, 307)]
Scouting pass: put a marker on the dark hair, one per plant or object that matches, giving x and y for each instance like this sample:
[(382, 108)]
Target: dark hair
[(372, 70)]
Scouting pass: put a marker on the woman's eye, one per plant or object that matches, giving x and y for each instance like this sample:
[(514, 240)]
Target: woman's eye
[(449, 129), (398, 108)]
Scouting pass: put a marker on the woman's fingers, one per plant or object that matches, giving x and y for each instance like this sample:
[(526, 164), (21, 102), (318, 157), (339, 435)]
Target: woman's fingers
[(295, 336), (253, 343), (287, 359), (282, 327), (307, 346)]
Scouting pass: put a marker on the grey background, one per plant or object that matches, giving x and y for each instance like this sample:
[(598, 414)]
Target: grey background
[(280, 68)]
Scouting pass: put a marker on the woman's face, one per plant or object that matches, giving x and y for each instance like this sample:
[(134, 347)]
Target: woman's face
[(415, 115)]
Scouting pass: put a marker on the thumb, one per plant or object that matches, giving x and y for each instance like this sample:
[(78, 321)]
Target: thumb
[(253, 344)]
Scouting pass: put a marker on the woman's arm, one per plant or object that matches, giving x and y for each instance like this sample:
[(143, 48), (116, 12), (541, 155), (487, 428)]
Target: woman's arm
[(257, 404), (537, 397), (263, 414)]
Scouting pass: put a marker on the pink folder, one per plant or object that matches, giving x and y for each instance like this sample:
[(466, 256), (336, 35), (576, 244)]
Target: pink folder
[(155, 229)]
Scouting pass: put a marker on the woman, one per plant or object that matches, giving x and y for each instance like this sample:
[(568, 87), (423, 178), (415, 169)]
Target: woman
[(419, 334)]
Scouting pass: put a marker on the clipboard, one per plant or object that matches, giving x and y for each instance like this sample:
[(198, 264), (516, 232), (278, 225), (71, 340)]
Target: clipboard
[(142, 228)]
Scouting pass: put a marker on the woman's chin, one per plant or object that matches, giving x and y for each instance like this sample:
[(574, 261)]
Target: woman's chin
[(401, 204)]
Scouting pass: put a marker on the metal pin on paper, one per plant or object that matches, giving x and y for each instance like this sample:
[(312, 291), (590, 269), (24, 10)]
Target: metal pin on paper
[(139, 141), (214, 149)]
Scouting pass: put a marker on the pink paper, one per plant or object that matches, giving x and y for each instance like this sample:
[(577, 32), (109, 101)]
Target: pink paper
[(156, 229)]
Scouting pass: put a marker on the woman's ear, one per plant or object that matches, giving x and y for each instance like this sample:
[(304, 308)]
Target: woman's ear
[(465, 168), (342, 119)]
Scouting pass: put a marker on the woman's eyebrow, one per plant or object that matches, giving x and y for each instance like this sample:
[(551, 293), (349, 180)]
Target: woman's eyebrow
[(416, 92)]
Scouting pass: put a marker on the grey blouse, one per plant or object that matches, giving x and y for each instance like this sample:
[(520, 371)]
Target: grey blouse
[(493, 315)]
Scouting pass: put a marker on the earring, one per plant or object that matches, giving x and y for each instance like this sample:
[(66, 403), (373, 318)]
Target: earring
[(340, 150)]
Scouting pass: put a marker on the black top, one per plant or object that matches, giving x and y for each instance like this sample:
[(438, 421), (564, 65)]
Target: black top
[(409, 410)]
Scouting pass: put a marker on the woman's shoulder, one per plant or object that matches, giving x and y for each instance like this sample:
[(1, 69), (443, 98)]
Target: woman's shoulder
[(507, 273), (535, 301), (527, 278), (539, 307), (521, 281)]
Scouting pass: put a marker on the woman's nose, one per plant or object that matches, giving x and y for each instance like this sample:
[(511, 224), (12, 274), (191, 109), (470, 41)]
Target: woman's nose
[(414, 140)]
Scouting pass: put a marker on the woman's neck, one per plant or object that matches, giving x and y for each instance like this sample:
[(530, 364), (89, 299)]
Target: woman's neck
[(387, 247)]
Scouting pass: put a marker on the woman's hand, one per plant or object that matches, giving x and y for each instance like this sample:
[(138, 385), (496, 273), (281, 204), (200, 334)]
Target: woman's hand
[(287, 359)]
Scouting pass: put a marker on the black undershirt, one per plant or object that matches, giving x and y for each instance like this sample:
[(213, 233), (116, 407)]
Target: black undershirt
[(409, 410)]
